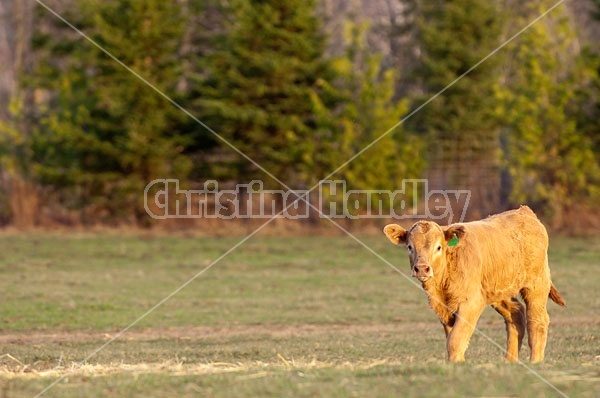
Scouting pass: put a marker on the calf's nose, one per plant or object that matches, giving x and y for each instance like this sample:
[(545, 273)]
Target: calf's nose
[(422, 268)]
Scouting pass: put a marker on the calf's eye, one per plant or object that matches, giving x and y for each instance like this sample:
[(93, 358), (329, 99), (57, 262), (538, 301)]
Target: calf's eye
[(439, 248), (409, 248)]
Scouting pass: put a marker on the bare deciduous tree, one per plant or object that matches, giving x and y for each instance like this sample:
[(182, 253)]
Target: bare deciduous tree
[(16, 25)]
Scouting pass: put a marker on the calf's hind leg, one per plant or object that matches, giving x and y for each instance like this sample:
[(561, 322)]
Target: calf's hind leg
[(513, 313), (537, 321)]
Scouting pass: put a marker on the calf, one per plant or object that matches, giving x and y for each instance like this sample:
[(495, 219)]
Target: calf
[(465, 267)]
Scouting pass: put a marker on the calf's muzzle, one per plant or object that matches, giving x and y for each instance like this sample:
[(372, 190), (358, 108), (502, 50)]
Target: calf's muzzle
[(422, 271)]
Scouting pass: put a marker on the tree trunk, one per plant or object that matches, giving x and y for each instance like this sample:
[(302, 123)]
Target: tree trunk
[(24, 202)]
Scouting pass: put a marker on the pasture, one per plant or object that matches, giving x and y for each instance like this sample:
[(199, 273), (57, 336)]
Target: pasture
[(279, 316)]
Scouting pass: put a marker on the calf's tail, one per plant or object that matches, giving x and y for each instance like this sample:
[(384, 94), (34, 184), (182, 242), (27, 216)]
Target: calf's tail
[(556, 297)]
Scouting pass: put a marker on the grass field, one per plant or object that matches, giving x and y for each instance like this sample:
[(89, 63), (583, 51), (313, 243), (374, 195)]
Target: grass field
[(308, 316)]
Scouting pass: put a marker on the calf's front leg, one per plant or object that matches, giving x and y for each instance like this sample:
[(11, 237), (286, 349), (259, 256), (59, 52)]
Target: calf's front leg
[(458, 339)]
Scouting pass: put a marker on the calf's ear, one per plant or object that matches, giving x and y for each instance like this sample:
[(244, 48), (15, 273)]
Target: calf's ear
[(453, 232), (395, 233)]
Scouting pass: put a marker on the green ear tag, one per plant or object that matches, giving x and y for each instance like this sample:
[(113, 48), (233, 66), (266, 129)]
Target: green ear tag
[(453, 241)]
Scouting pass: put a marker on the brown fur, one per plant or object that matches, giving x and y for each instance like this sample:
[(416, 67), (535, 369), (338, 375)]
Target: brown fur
[(496, 260)]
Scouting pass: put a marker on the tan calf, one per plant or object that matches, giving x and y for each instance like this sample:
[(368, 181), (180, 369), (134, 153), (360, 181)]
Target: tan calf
[(465, 267)]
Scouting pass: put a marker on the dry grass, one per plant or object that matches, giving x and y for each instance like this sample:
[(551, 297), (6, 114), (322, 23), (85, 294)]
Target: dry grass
[(179, 368)]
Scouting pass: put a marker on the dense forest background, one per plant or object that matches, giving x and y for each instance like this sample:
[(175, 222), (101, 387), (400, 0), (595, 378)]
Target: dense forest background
[(299, 87)]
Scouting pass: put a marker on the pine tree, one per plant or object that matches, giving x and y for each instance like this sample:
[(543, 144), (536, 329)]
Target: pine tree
[(590, 106), (551, 163), (459, 124), (259, 87), (105, 134)]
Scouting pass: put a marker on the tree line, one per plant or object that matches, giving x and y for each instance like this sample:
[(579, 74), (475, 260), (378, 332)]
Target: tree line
[(81, 135)]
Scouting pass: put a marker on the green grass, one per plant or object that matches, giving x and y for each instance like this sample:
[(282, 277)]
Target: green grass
[(294, 316)]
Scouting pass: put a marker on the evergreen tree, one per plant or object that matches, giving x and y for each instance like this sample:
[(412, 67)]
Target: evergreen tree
[(459, 124), (105, 134), (551, 163), (590, 107), (259, 89), (206, 27)]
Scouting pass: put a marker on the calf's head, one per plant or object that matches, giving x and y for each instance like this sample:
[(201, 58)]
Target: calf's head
[(427, 244)]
